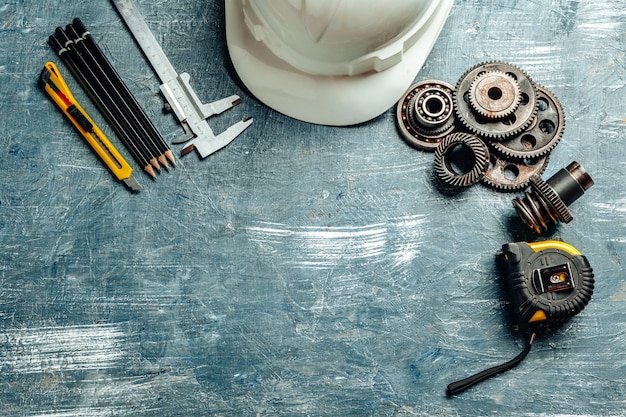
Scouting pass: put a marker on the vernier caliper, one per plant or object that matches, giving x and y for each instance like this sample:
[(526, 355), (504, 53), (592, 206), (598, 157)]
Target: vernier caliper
[(181, 99)]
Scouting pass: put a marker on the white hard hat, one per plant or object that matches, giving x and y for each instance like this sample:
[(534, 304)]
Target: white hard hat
[(331, 62)]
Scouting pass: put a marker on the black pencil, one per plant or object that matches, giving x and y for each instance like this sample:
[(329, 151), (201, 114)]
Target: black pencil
[(121, 88), (63, 46), (130, 115)]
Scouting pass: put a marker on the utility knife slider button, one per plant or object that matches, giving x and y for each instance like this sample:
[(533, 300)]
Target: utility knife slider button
[(80, 118)]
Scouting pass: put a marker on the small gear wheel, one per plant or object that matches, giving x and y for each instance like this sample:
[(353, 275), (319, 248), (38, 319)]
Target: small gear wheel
[(494, 95), (461, 160), (541, 206), (495, 129), (505, 175), (425, 115), (541, 136)]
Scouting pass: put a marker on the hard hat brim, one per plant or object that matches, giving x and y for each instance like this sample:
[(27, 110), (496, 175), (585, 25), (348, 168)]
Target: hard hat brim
[(326, 100)]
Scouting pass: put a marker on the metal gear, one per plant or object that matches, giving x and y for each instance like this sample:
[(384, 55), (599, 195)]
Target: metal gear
[(496, 126), (494, 94), (505, 175), (461, 159), (538, 213), (501, 128), (425, 114), (541, 136), (547, 201)]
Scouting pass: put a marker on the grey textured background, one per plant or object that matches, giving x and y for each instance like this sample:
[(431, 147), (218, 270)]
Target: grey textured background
[(302, 270)]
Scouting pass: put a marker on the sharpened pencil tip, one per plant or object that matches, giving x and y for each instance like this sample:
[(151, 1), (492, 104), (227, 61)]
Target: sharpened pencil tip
[(163, 161), (170, 155), (155, 163), (150, 171)]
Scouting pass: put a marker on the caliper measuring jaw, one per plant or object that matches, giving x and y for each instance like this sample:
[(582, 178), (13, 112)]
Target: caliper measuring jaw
[(178, 93), (197, 129)]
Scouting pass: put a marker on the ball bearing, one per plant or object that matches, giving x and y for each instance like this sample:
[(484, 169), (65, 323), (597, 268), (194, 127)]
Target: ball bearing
[(426, 114)]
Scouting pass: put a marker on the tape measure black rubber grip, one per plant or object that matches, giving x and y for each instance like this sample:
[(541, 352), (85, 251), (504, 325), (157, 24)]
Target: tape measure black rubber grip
[(548, 282)]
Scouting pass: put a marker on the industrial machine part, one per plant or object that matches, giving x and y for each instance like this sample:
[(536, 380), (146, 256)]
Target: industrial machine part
[(494, 94), (426, 114), (510, 175), (461, 159), (497, 103), (541, 136), (495, 100), (547, 201), (180, 96), (548, 283), (331, 62)]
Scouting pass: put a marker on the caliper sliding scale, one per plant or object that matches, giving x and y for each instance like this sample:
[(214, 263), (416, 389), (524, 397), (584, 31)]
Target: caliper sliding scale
[(181, 99)]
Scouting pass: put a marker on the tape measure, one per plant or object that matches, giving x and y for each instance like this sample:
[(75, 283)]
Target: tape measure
[(548, 282)]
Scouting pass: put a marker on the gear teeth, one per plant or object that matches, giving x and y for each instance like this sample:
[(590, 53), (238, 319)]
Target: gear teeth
[(499, 86), (562, 212), (547, 201), (499, 129), (542, 136), (507, 139), (509, 176), (541, 206), (477, 159)]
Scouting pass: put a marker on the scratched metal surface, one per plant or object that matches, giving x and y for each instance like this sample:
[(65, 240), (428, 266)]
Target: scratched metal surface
[(303, 270)]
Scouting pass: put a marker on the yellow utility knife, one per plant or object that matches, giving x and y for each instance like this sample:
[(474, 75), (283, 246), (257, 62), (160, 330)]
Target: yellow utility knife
[(53, 84)]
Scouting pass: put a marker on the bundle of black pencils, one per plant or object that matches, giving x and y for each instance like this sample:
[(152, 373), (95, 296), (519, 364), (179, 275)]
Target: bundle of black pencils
[(94, 72)]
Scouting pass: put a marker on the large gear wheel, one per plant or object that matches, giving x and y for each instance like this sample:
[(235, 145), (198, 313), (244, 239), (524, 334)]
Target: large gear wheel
[(494, 95), (541, 136), (495, 129), (505, 175), (425, 114), (461, 160)]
